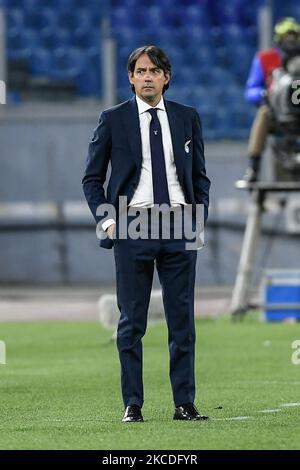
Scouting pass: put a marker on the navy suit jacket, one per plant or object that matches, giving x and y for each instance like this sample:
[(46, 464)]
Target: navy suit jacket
[(117, 140)]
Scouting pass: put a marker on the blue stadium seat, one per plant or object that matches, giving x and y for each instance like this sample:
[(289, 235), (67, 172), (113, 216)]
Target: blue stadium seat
[(13, 96), (228, 13), (223, 122), (194, 15), (241, 59), (236, 121), (131, 37), (220, 77), (242, 115), (54, 38), (231, 96), (88, 83), (67, 63), (120, 18), (15, 4), (21, 40), (156, 17), (131, 4), (200, 55), (46, 18), (94, 53), (51, 4), (251, 36), (233, 34), (179, 93), (126, 3), (40, 62), (122, 76), (61, 4), (203, 96), (248, 14), (84, 68), (75, 19), (176, 56), (14, 18), (204, 4), (166, 36), (33, 5), (19, 54), (92, 5), (167, 4), (89, 80), (85, 38), (123, 54), (210, 45), (202, 74), (216, 33), (223, 55), (124, 93), (196, 34), (184, 76), (208, 121), (97, 7)]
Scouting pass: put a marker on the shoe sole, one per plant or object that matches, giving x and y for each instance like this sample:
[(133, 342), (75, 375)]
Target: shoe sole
[(132, 420), (203, 418)]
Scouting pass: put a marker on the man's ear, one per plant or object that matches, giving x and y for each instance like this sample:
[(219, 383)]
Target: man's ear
[(167, 77), (130, 77)]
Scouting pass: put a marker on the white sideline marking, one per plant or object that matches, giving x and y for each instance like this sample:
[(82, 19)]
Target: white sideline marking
[(290, 404), (275, 410), (233, 418), (272, 382), (269, 411)]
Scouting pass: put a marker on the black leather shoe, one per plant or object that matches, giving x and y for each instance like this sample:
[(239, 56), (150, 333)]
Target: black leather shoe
[(188, 412), (133, 414)]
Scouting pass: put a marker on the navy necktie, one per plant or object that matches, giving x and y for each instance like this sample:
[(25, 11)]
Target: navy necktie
[(159, 176)]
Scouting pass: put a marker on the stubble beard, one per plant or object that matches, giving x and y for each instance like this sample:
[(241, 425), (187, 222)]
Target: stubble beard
[(150, 98)]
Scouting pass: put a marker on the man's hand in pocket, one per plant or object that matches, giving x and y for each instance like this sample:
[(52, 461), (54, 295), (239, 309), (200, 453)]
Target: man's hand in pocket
[(110, 231)]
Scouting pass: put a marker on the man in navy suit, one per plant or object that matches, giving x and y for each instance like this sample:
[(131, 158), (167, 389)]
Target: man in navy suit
[(156, 152)]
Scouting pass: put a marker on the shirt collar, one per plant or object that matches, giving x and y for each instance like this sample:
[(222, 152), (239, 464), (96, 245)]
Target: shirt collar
[(143, 107)]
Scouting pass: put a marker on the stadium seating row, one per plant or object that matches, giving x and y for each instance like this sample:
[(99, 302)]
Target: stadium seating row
[(209, 42)]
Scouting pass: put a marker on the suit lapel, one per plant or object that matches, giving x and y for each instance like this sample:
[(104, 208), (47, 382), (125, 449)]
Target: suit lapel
[(177, 133), (133, 131)]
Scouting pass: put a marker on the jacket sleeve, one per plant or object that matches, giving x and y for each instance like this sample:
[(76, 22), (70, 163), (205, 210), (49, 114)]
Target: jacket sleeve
[(201, 182), (255, 85), (97, 161)]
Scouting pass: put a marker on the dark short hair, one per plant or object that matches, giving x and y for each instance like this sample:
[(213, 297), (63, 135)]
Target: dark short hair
[(156, 55)]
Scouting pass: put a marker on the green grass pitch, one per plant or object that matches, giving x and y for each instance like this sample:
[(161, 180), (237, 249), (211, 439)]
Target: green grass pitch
[(60, 388)]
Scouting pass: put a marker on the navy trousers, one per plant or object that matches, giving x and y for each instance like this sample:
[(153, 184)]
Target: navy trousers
[(134, 261)]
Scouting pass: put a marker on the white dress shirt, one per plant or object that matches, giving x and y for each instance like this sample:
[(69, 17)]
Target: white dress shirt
[(143, 195)]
